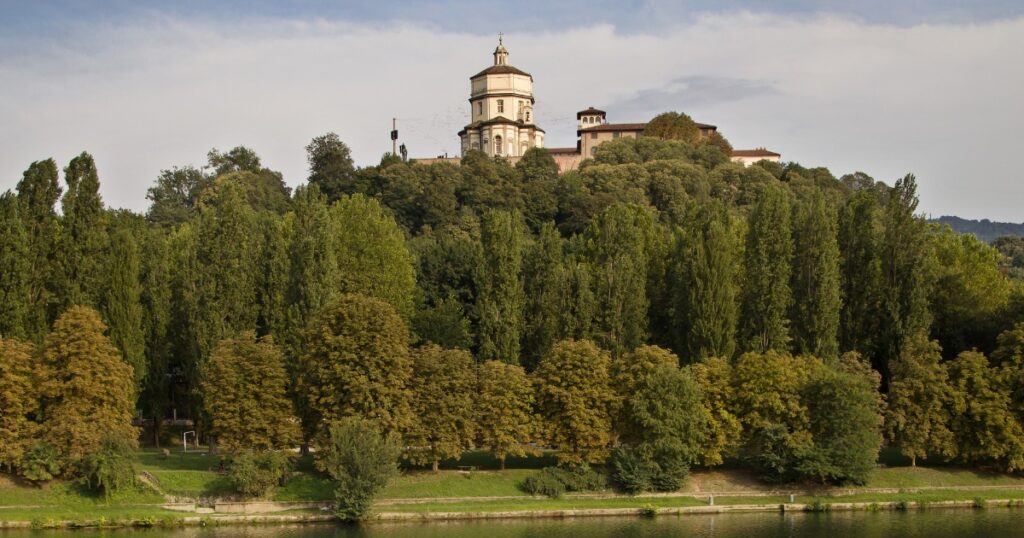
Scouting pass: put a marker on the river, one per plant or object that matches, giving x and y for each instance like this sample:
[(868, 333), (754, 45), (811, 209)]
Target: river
[(936, 523)]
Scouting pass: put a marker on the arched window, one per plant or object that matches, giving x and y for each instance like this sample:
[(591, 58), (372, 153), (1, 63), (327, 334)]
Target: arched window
[(497, 145), (501, 106), (527, 116)]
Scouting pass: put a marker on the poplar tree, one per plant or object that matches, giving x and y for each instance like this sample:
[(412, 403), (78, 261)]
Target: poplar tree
[(243, 385), (768, 257), (860, 272), (122, 305), (38, 192), (575, 401), (442, 401), (505, 420), (88, 388), (919, 412), (19, 400), (501, 298), (157, 322), (312, 274), (355, 362), (85, 240), (14, 270), (273, 272), (815, 279), (545, 286)]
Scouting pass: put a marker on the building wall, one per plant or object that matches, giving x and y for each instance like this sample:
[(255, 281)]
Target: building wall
[(590, 140), (747, 161)]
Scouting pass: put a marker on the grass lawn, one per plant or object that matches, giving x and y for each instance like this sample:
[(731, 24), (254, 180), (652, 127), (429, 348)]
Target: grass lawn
[(427, 484), (915, 477)]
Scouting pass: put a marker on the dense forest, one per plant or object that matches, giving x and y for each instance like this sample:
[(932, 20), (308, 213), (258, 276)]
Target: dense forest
[(661, 306), (984, 229)]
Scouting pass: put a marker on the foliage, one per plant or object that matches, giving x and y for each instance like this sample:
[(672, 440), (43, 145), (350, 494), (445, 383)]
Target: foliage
[(860, 272), (919, 414), (243, 386), (122, 304), (254, 473), (361, 461), (722, 436), (673, 126), (442, 402), (815, 279), (575, 401), (983, 423), (40, 463), (84, 239), (544, 482), (505, 420), (501, 300), (14, 270), (766, 298), (555, 481), (38, 192), (356, 363), (330, 166), (630, 471), (111, 468), (19, 400)]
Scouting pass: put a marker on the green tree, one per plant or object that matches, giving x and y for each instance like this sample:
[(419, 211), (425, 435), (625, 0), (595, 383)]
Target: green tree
[(87, 389), (504, 410), (575, 401), (860, 272), (815, 279), (501, 298), (673, 126), (157, 326), (15, 297), (122, 306), (85, 240), (330, 166), (313, 269), (629, 371), (371, 253), (111, 468), (361, 461), (982, 418), (442, 401), (174, 198), (539, 173), (544, 282), (919, 412), (19, 401), (243, 385), (767, 265), (356, 362), (38, 192), (722, 437)]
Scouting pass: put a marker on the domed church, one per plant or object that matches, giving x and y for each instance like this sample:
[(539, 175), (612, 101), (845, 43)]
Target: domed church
[(501, 110)]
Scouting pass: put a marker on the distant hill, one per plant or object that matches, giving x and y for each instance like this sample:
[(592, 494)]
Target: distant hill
[(983, 229)]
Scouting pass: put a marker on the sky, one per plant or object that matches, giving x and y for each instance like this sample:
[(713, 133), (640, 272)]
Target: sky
[(883, 87)]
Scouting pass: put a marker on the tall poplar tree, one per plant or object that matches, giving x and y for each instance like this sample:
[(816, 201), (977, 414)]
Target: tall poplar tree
[(815, 279), (122, 306), (501, 298), (544, 282), (38, 192), (766, 297), (860, 272), (14, 270), (85, 240), (312, 270), (157, 320)]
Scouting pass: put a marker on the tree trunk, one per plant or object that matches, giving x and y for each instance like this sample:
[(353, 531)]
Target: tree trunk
[(913, 461), (304, 448), (501, 462), (436, 465)]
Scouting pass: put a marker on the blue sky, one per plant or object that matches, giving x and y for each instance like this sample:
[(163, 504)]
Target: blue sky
[(883, 87)]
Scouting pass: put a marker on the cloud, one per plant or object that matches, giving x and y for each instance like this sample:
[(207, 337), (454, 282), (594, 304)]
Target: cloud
[(941, 100)]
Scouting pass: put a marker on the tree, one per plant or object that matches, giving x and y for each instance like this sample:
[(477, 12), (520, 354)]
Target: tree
[(38, 192), (313, 269), (907, 273), (356, 363), (175, 196), (815, 279), (860, 272), (243, 385), (501, 299), (19, 401), (122, 305), (88, 390), (111, 468), (629, 371), (722, 437), (982, 420), (442, 401), (361, 461), (157, 326), (504, 410), (575, 401), (766, 295), (539, 173), (330, 166), (371, 253), (673, 126), (15, 297), (84, 241), (919, 414), (544, 282)]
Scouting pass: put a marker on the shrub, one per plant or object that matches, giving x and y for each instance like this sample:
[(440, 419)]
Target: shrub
[(110, 468), (255, 474), (555, 481), (361, 461), (40, 463), (669, 475), (630, 472), (544, 482)]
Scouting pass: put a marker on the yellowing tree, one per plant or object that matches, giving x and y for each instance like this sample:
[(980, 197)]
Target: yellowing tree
[(504, 410), (18, 400), (442, 401), (576, 401), (714, 376), (919, 412), (243, 385), (88, 394)]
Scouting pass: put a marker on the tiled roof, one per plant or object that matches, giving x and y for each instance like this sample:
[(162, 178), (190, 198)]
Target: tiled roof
[(758, 152), (589, 111), (501, 70), (562, 150)]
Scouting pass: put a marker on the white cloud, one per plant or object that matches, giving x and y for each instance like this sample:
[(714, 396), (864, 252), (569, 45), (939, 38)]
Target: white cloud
[(942, 101)]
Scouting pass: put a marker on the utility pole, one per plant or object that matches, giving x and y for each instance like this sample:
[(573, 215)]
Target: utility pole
[(394, 137)]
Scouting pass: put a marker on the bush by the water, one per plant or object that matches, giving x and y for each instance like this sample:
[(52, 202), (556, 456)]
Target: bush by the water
[(555, 481), (110, 468), (634, 473), (254, 474), (361, 460)]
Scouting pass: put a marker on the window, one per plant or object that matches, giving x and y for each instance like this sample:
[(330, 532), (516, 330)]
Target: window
[(593, 136), (527, 116), (501, 106), (497, 143), (479, 108)]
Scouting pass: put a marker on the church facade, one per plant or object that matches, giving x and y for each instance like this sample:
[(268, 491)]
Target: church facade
[(502, 122)]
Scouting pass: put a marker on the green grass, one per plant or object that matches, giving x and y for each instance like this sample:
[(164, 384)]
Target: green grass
[(70, 494), (427, 484), (913, 477), (532, 503)]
